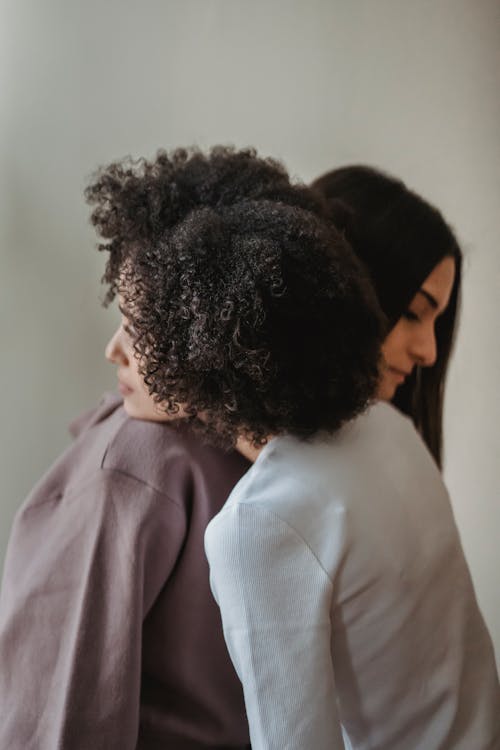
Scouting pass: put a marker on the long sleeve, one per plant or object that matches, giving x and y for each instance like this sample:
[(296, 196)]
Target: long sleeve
[(275, 598), (82, 571)]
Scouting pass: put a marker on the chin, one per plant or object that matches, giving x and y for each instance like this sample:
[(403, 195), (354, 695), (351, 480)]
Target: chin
[(132, 410)]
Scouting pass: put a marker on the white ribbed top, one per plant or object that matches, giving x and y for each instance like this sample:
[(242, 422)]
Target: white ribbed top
[(347, 604)]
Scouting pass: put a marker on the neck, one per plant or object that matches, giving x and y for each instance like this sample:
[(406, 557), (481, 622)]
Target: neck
[(248, 449)]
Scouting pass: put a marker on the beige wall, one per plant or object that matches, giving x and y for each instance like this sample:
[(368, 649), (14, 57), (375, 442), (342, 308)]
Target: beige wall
[(410, 86)]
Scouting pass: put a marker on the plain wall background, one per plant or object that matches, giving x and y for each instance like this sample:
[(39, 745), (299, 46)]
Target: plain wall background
[(408, 86)]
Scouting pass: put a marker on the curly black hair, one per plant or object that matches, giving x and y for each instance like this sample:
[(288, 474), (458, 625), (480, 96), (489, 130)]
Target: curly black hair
[(245, 303)]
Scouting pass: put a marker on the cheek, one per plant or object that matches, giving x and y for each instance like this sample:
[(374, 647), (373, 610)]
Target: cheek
[(150, 410), (134, 371), (395, 342)]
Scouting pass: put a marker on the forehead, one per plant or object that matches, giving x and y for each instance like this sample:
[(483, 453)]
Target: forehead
[(439, 283), (122, 305), (125, 305)]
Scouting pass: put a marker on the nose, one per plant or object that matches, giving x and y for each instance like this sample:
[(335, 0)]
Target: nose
[(424, 347), (115, 351)]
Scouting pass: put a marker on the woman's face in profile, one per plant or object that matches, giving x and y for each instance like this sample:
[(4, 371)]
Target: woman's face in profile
[(137, 401), (412, 341)]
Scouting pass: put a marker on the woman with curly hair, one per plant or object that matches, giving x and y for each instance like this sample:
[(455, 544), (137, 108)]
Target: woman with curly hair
[(414, 261), (346, 601), (109, 634)]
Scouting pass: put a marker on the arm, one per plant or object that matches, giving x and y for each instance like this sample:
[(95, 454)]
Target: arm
[(275, 604), (82, 572)]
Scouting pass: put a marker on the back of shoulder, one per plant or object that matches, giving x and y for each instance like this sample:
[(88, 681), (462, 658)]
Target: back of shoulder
[(388, 439), (379, 448), (381, 424), (172, 459), (338, 490)]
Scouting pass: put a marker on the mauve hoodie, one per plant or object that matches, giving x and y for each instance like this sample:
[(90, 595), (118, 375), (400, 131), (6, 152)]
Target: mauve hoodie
[(109, 636)]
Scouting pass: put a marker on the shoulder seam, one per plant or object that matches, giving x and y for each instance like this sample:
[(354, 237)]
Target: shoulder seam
[(121, 472), (104, 473), (261, 507)]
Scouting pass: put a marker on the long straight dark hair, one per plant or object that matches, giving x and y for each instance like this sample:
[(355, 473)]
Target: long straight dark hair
[(400, 238)]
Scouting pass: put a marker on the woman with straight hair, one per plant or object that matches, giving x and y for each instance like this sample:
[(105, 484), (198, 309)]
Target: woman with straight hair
[(415, 261)]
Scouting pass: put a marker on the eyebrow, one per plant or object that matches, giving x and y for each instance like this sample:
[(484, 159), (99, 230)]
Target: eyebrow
[(428, 296)]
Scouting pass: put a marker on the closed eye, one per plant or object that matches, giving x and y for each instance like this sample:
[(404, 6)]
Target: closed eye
[(409, 315)]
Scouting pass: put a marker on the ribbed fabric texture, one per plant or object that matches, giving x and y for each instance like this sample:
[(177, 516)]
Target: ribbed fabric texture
[(347, 605), (278, 635)]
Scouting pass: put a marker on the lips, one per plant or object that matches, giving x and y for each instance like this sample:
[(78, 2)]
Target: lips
[(124, 389), (401, 374)]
